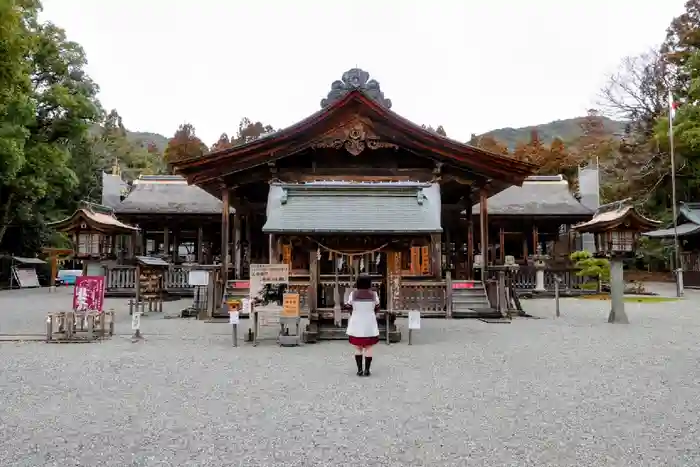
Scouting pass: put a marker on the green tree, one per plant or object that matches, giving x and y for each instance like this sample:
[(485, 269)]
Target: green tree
[(589, 266), (39, 185), (130, 158), (682, 41)]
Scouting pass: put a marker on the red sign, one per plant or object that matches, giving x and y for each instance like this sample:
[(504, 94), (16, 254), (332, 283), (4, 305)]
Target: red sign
[(462, 285), (241, 285), (89, 293)]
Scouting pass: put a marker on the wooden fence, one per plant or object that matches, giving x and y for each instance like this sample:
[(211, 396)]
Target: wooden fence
[(524, 278), (121, 281)]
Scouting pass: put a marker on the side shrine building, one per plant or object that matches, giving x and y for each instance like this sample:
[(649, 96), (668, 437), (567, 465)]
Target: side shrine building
[(356, 188)]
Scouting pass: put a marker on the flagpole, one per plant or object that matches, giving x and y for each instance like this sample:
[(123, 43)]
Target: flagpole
[(679, 268)]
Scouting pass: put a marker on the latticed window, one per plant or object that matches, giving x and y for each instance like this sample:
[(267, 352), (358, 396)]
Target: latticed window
[(89, 244)]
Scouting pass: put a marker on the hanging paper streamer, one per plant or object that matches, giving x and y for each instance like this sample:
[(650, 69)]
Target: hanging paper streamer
[(318, 253), (379, 259), (340, 262), (362, 264)]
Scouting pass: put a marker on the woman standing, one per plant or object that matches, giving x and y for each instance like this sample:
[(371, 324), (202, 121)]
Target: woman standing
[(362, 330)]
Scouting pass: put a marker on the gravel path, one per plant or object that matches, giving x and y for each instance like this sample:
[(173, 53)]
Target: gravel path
[(537, 392)]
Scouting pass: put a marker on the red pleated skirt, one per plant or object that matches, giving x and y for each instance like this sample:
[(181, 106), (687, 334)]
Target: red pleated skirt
[(363, 341)]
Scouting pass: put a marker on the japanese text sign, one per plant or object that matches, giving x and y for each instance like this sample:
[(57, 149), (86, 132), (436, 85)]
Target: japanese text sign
[(290, 305), (269, 273), (89, 293)]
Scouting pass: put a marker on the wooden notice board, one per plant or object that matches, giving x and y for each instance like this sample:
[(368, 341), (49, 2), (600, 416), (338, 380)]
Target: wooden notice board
[(415, 259), (290, 305), (425, 260)]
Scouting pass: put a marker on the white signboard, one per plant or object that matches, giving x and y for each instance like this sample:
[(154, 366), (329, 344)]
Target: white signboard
[(136, 321), (266, 274), (269, 315), (270, 273), (245, 307), (198, 277), (414, 320), (233, 317)]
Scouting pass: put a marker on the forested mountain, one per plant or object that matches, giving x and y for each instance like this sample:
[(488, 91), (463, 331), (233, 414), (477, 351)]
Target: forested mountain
[(566, 130)]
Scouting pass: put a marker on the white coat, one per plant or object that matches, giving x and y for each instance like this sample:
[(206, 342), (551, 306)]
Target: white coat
[(363, 321)]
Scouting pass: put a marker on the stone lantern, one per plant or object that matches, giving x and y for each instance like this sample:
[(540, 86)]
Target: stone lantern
[(616, 228), (539, 260)]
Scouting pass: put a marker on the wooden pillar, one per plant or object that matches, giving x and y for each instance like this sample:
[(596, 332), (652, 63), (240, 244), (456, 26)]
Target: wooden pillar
[(248, 239), (54, 269), (237, 242), (113, 246), (470, 249), (525, 252), (166, 241), (176, 246), (200, 244), (436, 255), (535, 238), (225, 214), (313, 280), (502, 245), (470, 235), (484, 230), (271, 249)]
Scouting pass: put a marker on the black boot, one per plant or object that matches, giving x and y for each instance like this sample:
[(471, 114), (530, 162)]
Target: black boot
[(368, 363), (358, 360)]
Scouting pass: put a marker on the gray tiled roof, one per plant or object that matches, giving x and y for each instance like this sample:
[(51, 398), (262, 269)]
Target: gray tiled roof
[(167, 194), (112, 188), (335, 207), (538, 196)]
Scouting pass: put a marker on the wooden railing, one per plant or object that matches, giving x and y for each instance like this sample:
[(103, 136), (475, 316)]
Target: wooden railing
[(302, 288), (428, 297), (524, 277), (122, 279)]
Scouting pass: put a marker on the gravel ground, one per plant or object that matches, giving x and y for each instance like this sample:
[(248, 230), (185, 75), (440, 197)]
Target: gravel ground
[(573, 391)]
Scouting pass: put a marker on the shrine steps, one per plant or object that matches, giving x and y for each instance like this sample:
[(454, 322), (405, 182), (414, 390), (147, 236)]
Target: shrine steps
[(470, 300)]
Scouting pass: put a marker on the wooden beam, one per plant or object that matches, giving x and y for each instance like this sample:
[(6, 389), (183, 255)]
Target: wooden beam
[(470, 236), (200, 244), (483, 216), (502, 245), (237, 243), (225, 215)]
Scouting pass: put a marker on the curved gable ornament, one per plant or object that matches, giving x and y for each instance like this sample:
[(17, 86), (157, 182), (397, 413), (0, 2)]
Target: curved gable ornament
[(355, 78)]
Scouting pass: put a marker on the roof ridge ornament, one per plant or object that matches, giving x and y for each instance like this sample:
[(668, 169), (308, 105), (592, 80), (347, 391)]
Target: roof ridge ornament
[(355, 78)]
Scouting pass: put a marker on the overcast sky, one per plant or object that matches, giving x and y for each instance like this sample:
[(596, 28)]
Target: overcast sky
[(471, 66)]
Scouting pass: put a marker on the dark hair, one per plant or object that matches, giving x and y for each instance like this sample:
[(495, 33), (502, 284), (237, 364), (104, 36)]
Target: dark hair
[(364, 283)]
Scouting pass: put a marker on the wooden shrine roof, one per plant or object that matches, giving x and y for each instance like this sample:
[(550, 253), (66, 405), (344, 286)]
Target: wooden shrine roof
[(539, 196), (612, 215), (688, 223), (344, 111), (168, 194), (343, 207), (96, 218)]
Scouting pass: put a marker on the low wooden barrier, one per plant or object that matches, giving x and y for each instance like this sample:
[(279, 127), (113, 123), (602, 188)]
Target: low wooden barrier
[(67, 327)]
